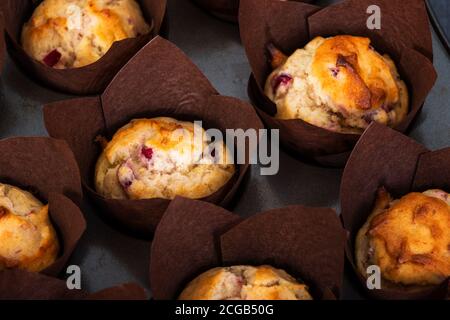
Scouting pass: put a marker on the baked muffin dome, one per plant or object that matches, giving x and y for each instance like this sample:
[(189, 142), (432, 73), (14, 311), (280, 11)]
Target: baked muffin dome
[(71, 34), (340, 84), (245, 283), (158, 158), (27, 238), (409, 239)]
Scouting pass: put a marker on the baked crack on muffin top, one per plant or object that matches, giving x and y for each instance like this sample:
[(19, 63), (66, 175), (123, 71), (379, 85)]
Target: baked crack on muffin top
[(71, 34), (27, 238), (158, 158), (245, 283), (409, 239), (340, 84)]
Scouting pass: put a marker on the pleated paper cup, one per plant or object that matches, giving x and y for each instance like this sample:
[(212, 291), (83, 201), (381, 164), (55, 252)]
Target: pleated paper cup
[(405, 35), (90, 79), (47, 168), (194, 236), (385, 158), (22, 285), (159, 81)]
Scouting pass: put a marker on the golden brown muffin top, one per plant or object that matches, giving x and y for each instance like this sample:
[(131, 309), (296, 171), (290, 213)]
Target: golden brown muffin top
[(119, 146), (353, 74), (411, 238), (27, 238), (245, 283), (340, 84), (162, 158), (76, 33)]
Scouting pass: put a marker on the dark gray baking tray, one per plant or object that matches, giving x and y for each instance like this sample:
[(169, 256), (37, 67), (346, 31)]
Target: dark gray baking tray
[(439, 11), (107, 257)]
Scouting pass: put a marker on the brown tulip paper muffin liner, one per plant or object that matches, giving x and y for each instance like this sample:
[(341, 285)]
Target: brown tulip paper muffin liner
[(226, 9), (159, 81), (23, 285), (90, 79), (384, 157), (195, 236), (47, 168), (405, 36)]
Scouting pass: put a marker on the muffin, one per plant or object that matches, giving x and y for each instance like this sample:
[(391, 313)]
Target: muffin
[(28, 240), (339, 83), (161, 158), (245, 283), (409, 239), (71, 34)]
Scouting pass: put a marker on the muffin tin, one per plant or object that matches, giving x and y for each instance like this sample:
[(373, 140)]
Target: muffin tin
[(108, 257)]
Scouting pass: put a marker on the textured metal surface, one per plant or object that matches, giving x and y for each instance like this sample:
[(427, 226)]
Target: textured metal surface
[(108, 257)]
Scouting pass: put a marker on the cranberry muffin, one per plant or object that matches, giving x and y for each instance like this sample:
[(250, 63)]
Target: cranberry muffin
[(162, 158), (71, 34), (245, 283), (28, 240), (340, 84)]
